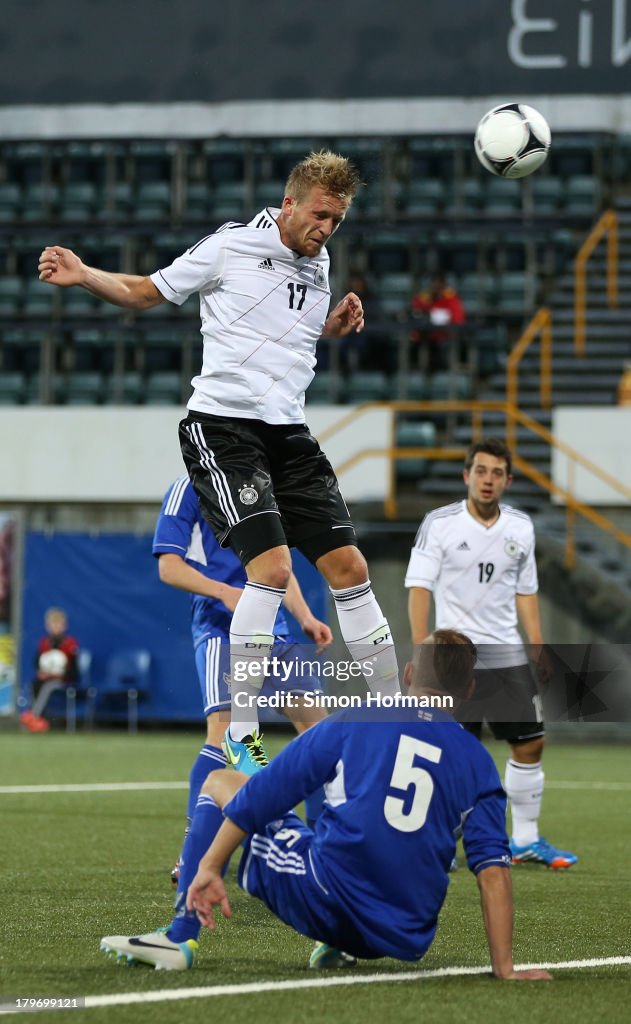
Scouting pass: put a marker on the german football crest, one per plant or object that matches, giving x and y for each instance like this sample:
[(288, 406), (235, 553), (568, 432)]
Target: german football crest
[(248, 495), (320, 277)]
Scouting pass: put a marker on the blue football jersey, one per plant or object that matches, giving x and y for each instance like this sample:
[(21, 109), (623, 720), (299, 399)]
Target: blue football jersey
[(400, 789), (182, 530)]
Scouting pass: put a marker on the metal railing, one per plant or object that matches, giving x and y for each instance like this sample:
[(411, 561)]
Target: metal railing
[(513, 417), (606, 227)]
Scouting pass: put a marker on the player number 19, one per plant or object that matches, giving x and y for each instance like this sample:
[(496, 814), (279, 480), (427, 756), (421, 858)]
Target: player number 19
[(405, 774)]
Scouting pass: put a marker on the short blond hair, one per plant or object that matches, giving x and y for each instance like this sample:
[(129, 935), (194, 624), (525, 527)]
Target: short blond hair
[(334, 174)]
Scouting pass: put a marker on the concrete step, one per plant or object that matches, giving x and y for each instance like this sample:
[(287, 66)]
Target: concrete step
[(575, 364)]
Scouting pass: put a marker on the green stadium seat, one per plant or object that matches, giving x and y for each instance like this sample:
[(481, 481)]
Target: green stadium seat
[(324, 389), (11, 289), (78, 201), (502, 196), (128, 390), (197, 201), (10, 201), (39, 202), (268, 193), (225, 160), (424, 198), (152, 201), (445, 386), (413, 434), (582, 194), (84, 389), (12, 388), (368, 386), (547, 194), (40, 299), (413, 386), (164, 389), (388, 253), (53, 386)]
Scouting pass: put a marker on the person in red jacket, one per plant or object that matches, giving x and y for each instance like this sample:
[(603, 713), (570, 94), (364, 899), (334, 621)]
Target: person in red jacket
[(55, 667), (441, 307)]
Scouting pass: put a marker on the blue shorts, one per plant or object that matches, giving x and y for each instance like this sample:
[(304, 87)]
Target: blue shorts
[(212, 657), (276, 867)]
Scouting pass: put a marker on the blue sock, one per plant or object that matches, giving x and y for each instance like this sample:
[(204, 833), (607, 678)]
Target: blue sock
[(204, 827), (208, 759), (313, 806)]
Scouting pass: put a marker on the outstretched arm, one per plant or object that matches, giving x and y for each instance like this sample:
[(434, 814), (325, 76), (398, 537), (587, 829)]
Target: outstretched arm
[(496, 894), (64, 268)]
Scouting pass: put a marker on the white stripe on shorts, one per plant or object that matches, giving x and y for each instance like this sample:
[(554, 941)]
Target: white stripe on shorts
[(213, 665), (217, 476)]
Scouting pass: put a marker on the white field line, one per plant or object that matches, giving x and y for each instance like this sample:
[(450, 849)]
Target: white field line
[(94, 787), (122, 787), (253, 988)]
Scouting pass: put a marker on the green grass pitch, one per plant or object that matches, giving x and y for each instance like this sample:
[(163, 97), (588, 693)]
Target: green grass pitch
[(77, 866)]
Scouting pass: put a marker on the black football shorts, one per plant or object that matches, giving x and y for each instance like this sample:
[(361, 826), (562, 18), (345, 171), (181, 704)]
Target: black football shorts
[(508, 700), (261, 485)]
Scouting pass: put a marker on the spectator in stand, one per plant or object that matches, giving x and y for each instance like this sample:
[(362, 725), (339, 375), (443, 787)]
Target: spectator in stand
[(441, 307), (55, 667)]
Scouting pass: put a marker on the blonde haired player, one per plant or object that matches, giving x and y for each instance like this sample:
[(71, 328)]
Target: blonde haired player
[(262, 480)]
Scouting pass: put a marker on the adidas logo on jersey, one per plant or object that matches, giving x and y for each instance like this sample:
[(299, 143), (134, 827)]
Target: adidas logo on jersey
[(463, 547), (266, 264)]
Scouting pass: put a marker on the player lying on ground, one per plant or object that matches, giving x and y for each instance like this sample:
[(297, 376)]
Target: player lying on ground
[(401, 786)]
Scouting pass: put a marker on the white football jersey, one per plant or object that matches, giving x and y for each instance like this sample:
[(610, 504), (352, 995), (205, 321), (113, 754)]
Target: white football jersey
[(475, 573), (262, 308)]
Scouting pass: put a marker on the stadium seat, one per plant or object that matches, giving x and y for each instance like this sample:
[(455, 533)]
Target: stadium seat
[(45, 389), (79, 302), (162, 348), (413, 434), (268, 193), (228, 201), (368, 386), (516, 292), (152, 160), (10, 200), (126, 390), (324, 389), (395, 292), (164, 389), (286, 153), (11, 288), (225, 160), (582, 194), (444, 386), (39, 202), (197, 201), (12, 388), (84, 389), (388, 253), (547, 194), (424, 198), (502, 197), (152, 201), (125, 683), (78, 201), (413, 386), (40, 299)]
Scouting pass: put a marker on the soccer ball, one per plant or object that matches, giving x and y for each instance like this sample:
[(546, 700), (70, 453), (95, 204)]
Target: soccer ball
[(512, 140), (53, 663)]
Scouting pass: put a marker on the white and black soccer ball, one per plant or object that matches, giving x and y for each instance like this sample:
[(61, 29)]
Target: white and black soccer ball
[(53, 663), (512, 140)]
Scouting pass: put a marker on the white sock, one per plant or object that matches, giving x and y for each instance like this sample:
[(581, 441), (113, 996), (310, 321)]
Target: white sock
[(368, 638), (524, 786), (251, 640)]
